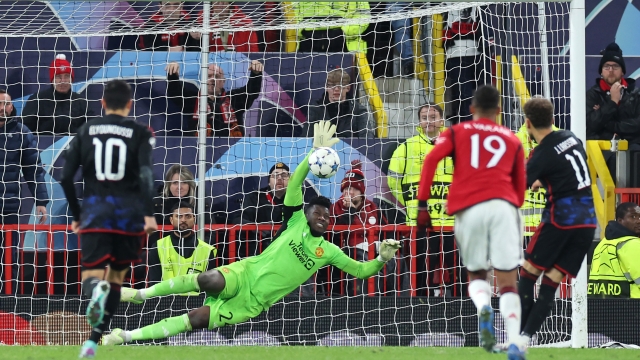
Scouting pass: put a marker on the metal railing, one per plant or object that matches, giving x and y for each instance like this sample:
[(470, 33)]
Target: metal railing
[(51, 267)]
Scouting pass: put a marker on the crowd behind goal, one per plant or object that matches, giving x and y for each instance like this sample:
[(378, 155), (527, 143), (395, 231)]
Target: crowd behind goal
[(373, 198)]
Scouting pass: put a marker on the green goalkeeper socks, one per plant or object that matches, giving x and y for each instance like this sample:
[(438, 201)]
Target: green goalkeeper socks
[(177, 285), (163, 329)]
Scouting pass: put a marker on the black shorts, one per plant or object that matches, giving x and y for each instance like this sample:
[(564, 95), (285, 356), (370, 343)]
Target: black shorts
[(563, 249), (116, 250)]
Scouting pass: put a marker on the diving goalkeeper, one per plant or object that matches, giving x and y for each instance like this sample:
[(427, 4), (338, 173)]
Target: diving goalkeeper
[(242, 290)]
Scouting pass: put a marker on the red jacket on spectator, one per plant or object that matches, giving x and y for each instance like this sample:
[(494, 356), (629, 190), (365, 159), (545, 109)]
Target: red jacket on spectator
[(162, 42), (241, 41), (368, 214)]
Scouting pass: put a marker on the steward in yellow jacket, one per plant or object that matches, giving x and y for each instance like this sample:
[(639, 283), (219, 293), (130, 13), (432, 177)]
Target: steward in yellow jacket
[(615, 269), (405, 168), (534, 202)]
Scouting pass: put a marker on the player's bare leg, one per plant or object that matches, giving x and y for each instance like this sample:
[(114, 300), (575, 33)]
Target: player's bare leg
[(511, 312), (480, 293), (537, 312), (105, 298), (211, 282)]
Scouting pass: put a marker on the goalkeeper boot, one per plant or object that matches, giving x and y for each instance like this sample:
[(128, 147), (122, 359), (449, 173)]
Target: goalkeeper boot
[(95, 310), (88, 350), (115, 337), (486, 333), (515, 353), (130, 295)]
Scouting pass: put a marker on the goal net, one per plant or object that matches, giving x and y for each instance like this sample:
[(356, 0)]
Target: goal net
[(229, 90)]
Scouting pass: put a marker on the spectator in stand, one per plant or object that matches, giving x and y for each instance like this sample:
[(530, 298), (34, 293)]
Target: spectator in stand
[(615, 269), (20, 159), (170, 17), (56, 110), (466, 58), (351, 118), (354, 209), (613, 103), (225, 110), (346, 38), (402, 36), (263, 206), (180, 253), (226, 16), (179, 186)]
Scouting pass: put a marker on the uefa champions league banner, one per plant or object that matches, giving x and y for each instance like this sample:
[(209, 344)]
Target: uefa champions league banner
[(234, 167), (340, 321)]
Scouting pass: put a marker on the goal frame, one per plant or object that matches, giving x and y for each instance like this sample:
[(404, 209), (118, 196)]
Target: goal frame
[(577, 75)]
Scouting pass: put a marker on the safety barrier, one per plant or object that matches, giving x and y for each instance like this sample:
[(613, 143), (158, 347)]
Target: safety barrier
[(425, 266)]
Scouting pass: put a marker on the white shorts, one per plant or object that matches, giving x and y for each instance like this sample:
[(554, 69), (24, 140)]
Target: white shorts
[(489, 235)]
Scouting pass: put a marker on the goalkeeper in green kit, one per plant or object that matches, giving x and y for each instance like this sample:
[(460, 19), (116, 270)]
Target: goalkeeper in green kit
[(242, 290)]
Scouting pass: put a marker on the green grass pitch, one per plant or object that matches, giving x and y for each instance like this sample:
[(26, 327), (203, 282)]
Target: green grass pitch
[(301, 353)]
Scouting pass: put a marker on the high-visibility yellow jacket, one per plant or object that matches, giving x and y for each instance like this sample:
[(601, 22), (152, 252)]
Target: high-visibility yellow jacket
[(403, 178), (338, 10), (615, 268), (534, 202), (175, 265)]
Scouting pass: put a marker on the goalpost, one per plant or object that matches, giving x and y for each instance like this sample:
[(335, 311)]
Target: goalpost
[(525, 48)]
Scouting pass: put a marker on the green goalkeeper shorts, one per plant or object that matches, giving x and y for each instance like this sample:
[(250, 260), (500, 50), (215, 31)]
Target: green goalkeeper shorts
[(235, 304)]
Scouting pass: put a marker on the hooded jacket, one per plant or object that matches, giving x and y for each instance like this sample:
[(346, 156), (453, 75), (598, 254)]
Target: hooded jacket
[(19, 154), (615, 272)]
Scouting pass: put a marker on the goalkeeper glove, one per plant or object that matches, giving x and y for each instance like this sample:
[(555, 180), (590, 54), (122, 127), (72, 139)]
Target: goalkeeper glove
[(388, 250), (323, 132), (424, 218)]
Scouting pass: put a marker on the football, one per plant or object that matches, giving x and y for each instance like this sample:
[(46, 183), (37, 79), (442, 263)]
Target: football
[(324, 162)]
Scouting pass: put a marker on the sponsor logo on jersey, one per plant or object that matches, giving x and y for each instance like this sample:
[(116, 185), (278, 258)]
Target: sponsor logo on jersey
[(298, 251), (319, 251)]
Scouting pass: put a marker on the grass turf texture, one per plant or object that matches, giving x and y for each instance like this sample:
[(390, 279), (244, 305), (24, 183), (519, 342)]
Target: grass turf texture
[(298, 352)]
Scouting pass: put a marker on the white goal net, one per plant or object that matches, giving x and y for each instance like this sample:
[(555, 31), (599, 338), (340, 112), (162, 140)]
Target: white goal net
[(265, 70)]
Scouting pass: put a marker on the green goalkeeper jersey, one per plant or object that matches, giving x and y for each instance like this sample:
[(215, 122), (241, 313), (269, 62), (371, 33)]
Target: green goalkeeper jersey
[(295, 255)]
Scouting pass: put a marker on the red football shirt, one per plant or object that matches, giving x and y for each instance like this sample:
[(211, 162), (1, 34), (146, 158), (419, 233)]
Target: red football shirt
[(488, 164)]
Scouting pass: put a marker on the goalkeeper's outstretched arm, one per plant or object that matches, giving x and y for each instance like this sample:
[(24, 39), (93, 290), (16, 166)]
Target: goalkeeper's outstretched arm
[(363, 270), (293, 195), (323, 133)]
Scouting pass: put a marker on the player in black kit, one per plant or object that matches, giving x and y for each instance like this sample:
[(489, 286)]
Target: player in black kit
[(559, 245), (117, 207)]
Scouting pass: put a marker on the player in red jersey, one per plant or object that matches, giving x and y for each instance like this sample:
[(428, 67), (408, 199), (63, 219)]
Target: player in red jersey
[(486, 192)]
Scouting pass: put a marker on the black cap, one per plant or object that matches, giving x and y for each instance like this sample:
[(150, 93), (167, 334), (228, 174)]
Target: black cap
[(612, 53), (279, 165)]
